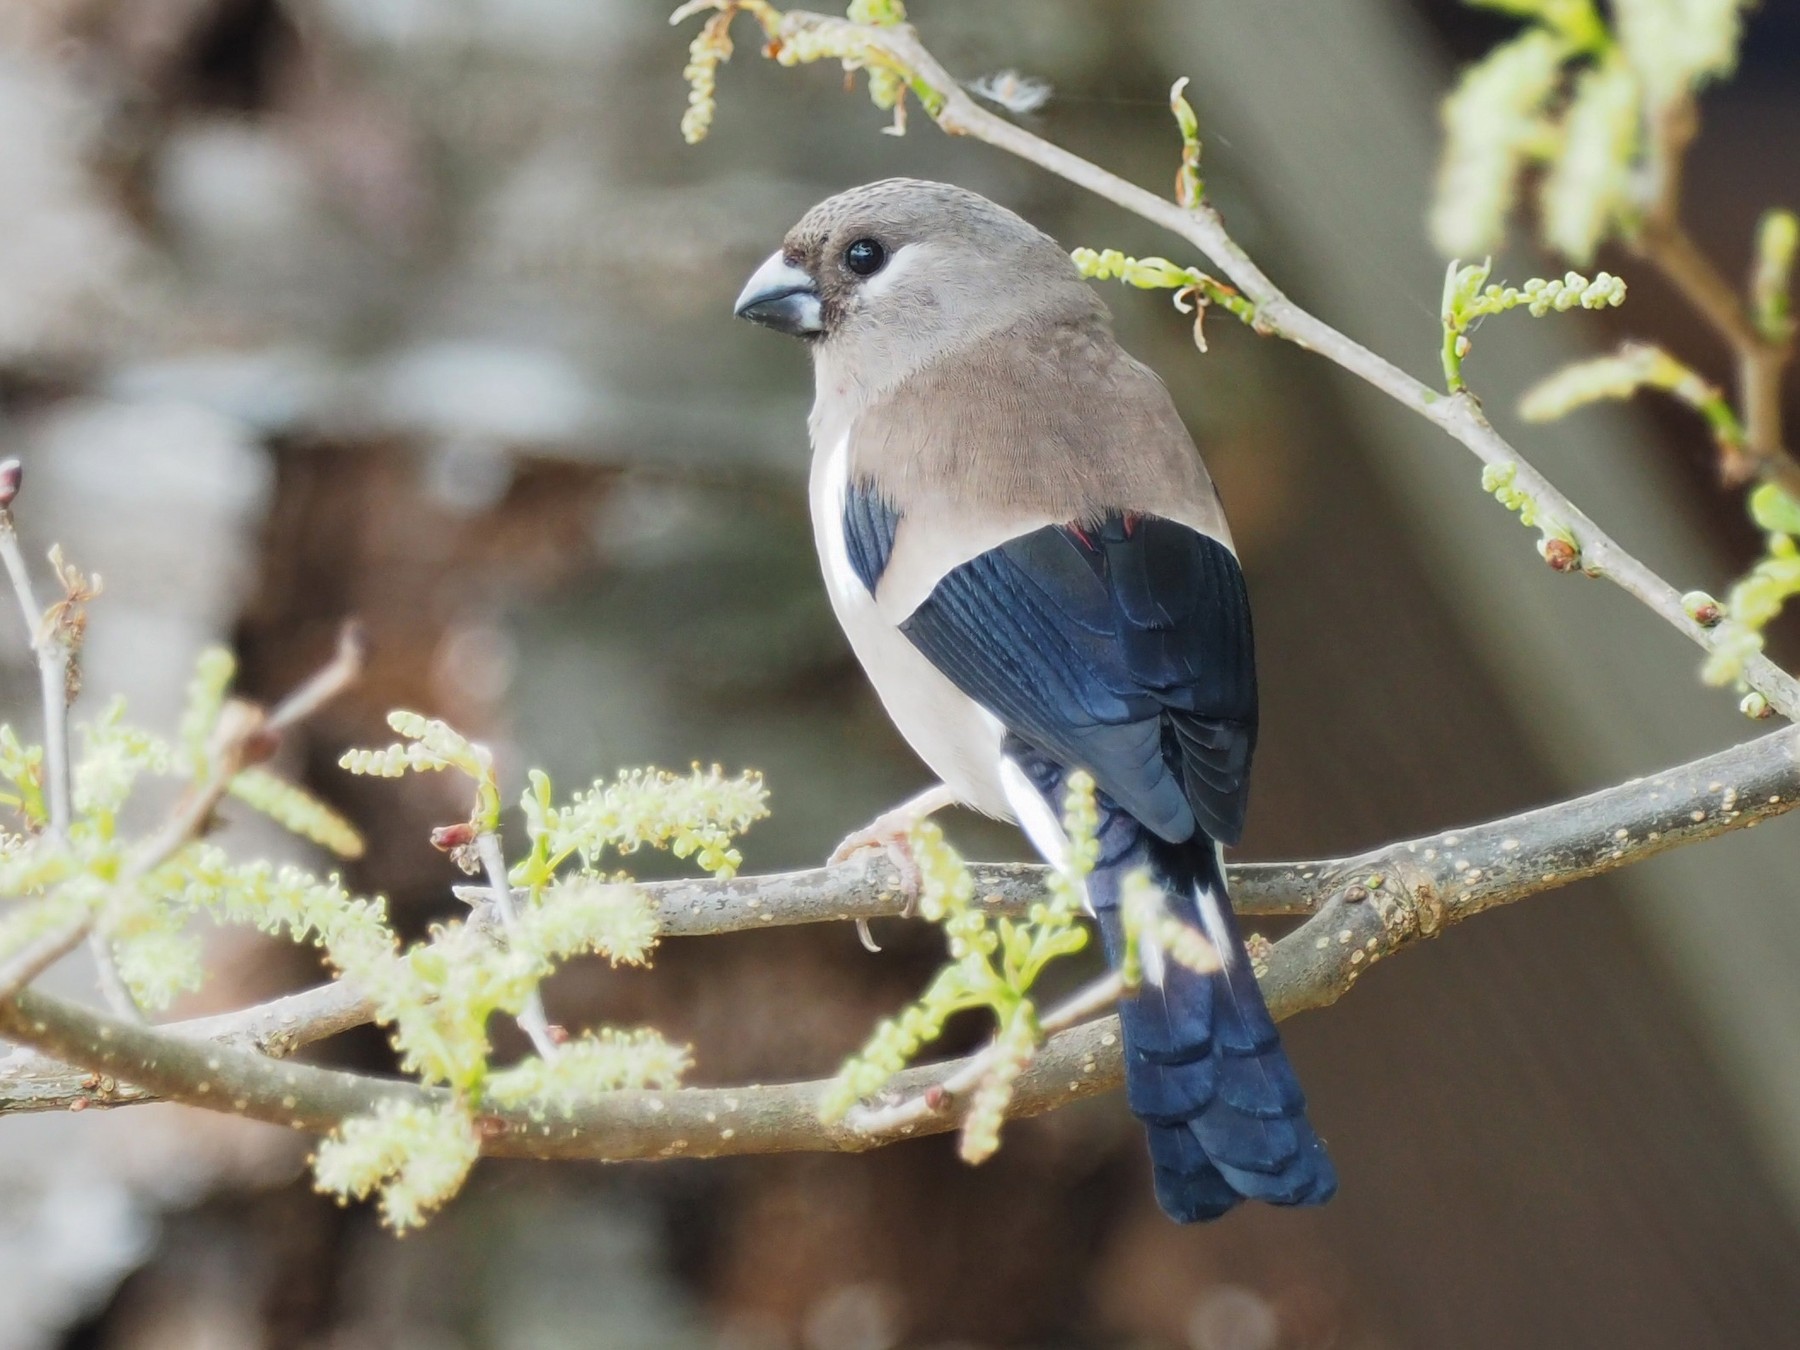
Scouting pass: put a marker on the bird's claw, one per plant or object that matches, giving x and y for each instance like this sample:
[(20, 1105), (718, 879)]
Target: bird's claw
[(893, 837), (867, 938), (891, 832)]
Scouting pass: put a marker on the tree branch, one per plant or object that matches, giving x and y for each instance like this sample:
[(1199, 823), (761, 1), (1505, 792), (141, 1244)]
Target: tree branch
[(55, 653), (1362, 909), (1663, 241), (34, 959), (864, 888)]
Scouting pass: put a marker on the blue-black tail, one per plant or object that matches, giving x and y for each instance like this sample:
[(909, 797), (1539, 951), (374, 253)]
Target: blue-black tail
[(1204, 1067)]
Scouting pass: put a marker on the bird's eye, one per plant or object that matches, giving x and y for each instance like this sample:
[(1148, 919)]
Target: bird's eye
[(865, 257)]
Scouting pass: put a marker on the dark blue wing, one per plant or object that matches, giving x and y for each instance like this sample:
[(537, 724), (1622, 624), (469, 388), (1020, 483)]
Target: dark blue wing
[(1123, 647)]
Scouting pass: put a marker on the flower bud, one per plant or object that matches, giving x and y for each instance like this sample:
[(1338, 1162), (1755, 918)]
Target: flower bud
[(449, 838)]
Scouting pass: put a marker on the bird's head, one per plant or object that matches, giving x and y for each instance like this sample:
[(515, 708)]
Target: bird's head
[(904, 268)]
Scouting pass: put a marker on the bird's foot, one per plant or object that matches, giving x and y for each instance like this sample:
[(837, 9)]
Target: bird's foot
[(891, 833), (896, 842)]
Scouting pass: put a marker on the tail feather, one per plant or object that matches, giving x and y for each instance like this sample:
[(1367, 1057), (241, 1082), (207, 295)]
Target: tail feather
[(1204, 1067), (1264, 1087), (1170, 1094), (1247, 1143), (1188, 1187)]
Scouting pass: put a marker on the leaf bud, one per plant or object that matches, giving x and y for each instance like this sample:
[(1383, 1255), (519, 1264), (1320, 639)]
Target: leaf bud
[(1702, 608), (1561, 555)]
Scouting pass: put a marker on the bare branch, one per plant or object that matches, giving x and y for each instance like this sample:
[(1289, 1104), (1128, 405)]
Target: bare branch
[(331, 679), (1363, 909), (1663, 240), (31, 1081), (52, 652), (55, 652), (113, 988), (33, 960)]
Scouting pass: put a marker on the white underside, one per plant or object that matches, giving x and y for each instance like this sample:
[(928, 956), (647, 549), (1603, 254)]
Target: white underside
[(955, 736), (1034, 815)]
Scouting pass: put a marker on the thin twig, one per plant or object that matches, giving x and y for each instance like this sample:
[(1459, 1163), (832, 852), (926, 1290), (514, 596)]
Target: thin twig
[(26, 965), (331, 679), (1761, 363), (53, 656), (113, 988), (1663, 241), (186, 821), (54, 652), (532, 1019)]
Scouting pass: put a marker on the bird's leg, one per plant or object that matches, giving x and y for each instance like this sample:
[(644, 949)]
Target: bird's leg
[(891, 832)]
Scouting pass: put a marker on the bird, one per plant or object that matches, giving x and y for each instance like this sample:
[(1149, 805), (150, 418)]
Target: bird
[(1033, 567)]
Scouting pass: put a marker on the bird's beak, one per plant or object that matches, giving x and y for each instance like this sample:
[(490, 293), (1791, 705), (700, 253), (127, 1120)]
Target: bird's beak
[(781, 296)]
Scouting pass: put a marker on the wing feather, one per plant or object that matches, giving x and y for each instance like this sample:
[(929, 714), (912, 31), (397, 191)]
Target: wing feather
[(1123, 647)]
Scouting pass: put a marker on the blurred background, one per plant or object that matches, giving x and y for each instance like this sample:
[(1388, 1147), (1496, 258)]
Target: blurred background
[(419, 310)]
